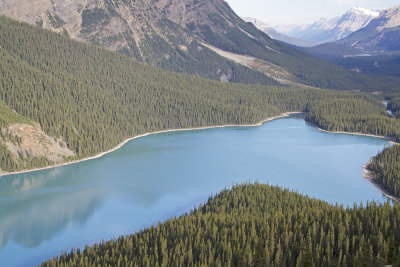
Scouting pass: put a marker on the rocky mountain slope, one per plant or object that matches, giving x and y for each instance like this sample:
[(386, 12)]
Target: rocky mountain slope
[(374, 49), (382, 34), (23, 143), (171, 34), (279, 36), (141, 29), (330, 30)]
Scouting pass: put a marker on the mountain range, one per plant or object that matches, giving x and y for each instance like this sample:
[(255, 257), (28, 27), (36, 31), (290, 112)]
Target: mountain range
[(330, 30), (373, 49), (205, 38), (277, 35)]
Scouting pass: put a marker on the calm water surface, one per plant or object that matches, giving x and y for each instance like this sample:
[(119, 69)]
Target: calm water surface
[(164, 175)]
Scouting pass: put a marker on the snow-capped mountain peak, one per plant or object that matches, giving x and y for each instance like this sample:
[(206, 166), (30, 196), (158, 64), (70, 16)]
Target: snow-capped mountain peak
[(330, 30), (363, 11)]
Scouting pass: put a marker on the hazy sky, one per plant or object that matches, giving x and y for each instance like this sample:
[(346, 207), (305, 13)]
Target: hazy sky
[(294, 11)]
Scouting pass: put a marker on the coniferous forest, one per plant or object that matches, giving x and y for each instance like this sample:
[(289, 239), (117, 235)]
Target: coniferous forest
[(257, 225), (394, 105), (386, 168)]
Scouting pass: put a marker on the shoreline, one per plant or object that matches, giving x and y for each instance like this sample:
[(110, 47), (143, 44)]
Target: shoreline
[(369, 175), (260, 123), (390, 139)]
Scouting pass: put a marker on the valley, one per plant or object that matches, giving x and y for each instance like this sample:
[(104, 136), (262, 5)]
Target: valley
[(154, 103), (370, 46)]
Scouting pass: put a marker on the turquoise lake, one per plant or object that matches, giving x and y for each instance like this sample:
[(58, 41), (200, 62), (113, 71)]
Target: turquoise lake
[(159, 176)]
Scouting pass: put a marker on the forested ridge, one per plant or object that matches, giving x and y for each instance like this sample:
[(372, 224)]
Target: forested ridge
[(94, 98), (257, 225), (360, 115), (386, 168), (394, 105)]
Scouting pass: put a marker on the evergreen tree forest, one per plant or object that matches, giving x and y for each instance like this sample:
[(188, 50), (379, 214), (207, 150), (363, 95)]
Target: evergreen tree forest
[(362, 115), (256, 225), (386, 168), (394, 105)]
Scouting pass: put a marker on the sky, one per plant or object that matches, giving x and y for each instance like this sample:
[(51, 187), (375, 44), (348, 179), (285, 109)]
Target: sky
[(275, 12)]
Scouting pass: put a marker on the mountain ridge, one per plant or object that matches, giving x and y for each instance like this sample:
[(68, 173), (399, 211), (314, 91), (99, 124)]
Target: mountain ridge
[(333, 29), (382, 34), (277, 35), (170, 33)]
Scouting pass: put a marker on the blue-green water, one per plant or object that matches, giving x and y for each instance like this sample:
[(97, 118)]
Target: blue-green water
[(155, 177)]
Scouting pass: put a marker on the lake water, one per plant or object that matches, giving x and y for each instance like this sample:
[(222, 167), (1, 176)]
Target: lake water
[(155, 177)]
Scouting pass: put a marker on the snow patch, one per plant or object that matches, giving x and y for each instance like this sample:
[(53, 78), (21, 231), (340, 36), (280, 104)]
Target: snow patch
[(360, 10)]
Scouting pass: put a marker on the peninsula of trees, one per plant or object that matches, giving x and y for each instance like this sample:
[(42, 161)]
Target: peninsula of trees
[(256, 225)]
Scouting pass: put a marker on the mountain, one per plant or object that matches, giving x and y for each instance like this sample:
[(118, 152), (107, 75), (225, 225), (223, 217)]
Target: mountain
[(150, 31), (278, 36), (382, 34), (356, 59), (330, 30), (374, 49), (205, 38)]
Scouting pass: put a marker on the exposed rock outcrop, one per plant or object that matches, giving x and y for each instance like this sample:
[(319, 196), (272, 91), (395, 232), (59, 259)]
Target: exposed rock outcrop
[(34, 143)]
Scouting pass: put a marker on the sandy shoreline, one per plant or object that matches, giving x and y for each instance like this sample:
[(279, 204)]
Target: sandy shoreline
[(391, 140), (369, 175), (285, 114)]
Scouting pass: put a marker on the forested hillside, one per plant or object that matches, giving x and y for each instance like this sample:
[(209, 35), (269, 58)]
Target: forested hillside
[(7, 118), (394, 105), (257, 225), (363, 115), (386, 168), (94, 99), (177, 34)]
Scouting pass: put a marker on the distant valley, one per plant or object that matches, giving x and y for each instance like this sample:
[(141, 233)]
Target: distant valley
[(279, 36)]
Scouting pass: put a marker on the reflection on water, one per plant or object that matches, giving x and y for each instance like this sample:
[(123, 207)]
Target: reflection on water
[(158, 176), (32, 212)]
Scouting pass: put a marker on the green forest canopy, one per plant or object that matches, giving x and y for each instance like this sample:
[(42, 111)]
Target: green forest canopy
[(256, 225)]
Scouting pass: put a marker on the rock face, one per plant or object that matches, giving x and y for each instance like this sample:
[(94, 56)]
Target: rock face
[(34, 143), (165, 33), (330, 30), (354, 19), (125, 25), (382, 34)]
